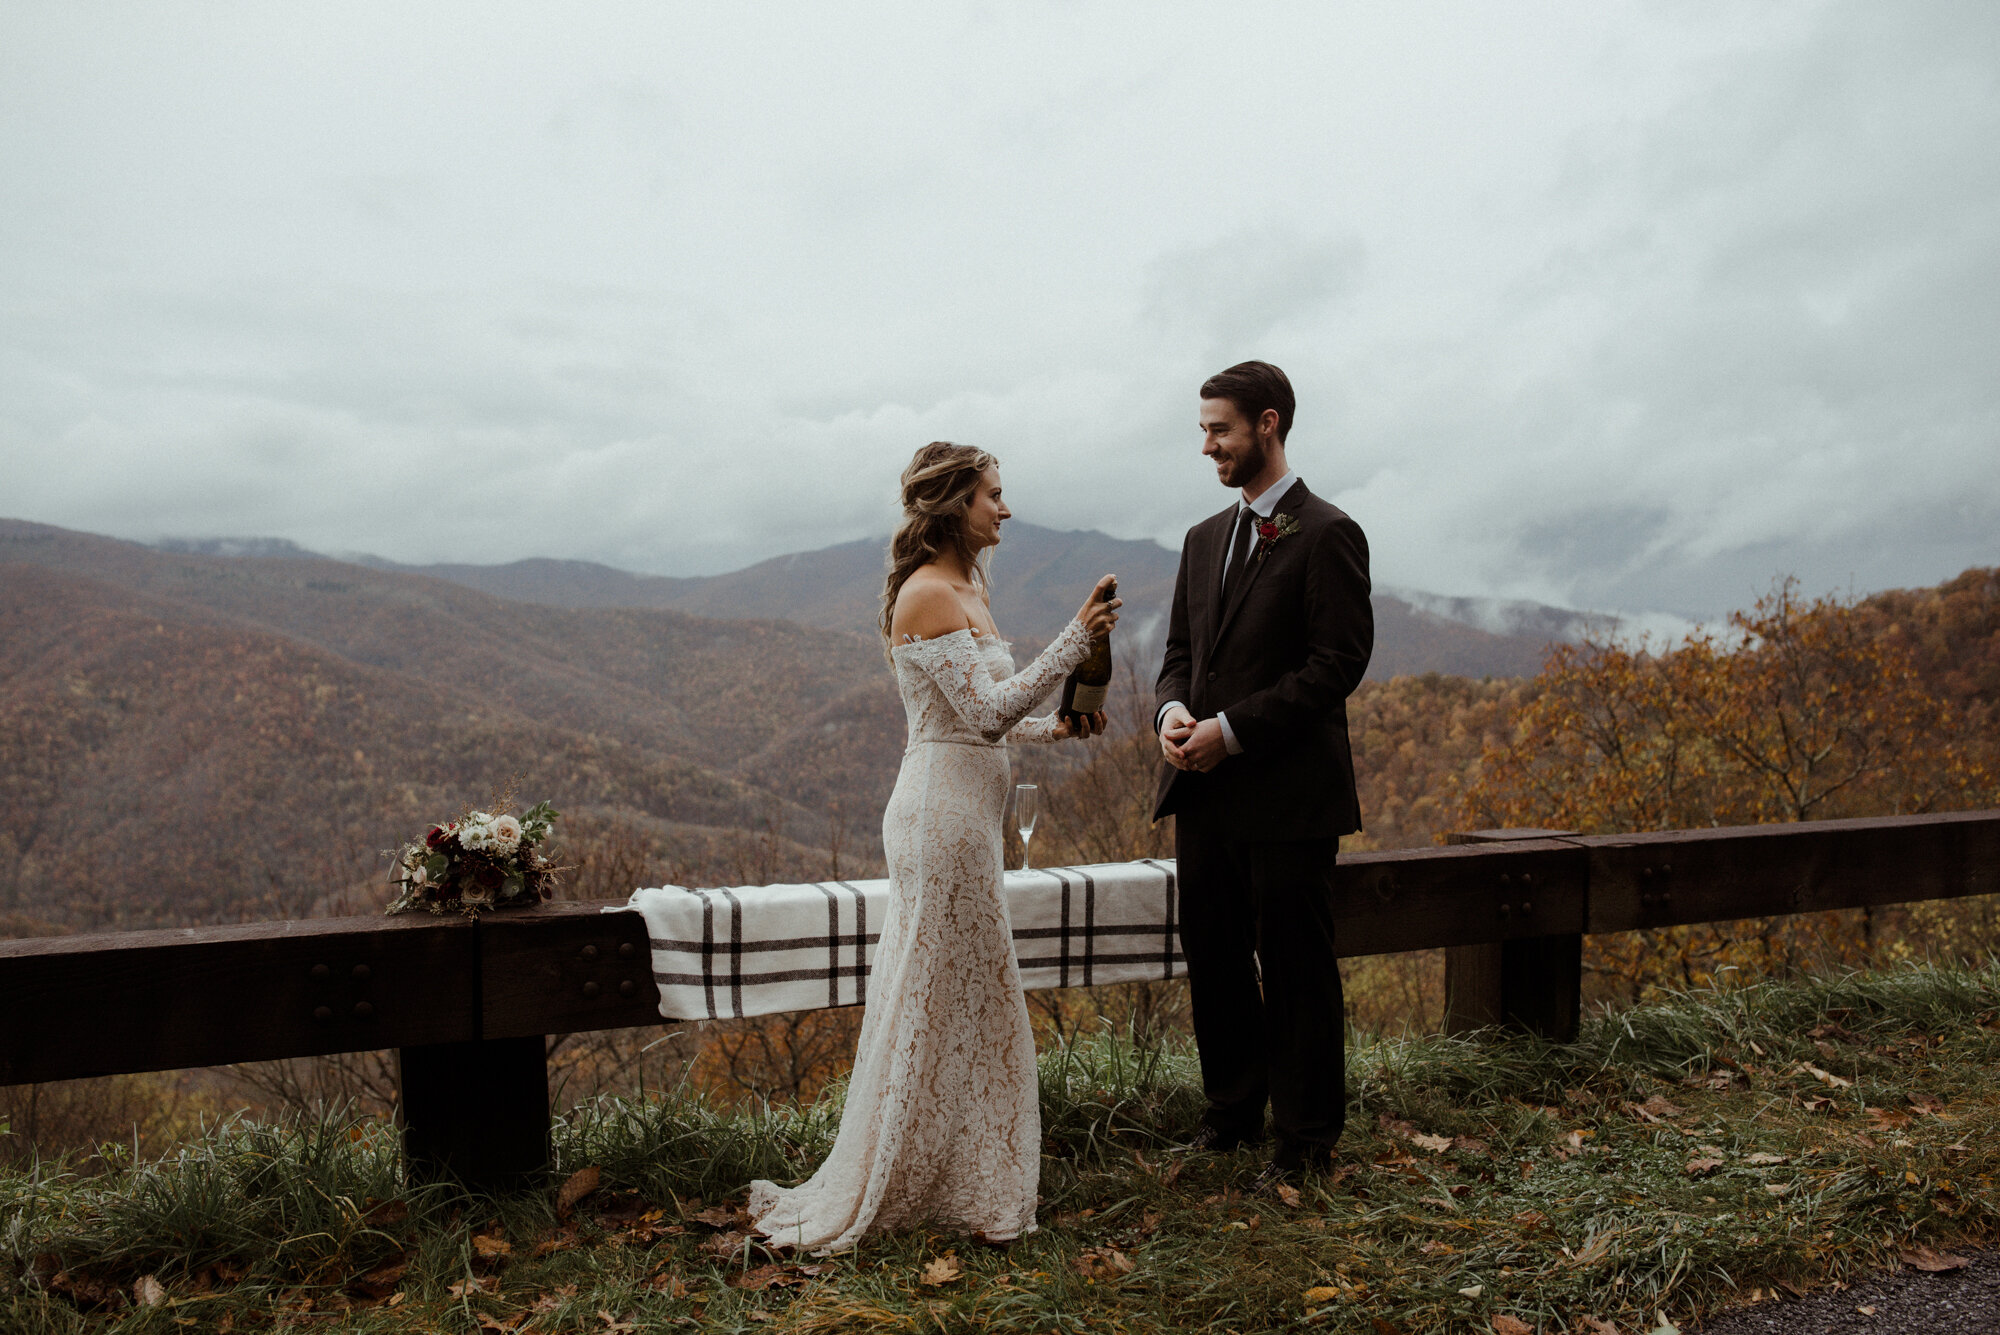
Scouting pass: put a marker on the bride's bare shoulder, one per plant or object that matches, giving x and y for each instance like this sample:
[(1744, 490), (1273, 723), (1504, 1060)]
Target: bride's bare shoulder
[(926, 607)]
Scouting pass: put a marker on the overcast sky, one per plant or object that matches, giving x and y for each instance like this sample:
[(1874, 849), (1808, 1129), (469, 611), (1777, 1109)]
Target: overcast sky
[(1622, 306)]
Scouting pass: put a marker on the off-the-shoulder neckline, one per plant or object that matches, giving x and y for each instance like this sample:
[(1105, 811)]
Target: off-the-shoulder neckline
[(911, 642)]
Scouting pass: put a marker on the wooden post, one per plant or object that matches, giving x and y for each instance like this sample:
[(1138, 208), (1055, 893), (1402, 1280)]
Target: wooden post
[(476, 1113), (1533, 983)]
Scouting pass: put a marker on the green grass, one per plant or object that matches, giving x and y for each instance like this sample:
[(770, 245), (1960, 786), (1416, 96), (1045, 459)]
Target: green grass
[(1846, 1119)]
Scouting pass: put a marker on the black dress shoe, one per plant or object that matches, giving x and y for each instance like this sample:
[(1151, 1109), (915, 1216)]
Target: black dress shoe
[(1275, 1176), (1214, 1140)]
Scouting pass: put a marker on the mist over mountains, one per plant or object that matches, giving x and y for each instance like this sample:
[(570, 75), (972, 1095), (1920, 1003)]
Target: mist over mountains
[(1040, 576)]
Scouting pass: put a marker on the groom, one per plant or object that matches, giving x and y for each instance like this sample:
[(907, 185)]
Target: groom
[(1271, 630)]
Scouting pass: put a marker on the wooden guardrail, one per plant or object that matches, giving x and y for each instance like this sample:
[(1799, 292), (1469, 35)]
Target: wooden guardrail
[(468, 1005)]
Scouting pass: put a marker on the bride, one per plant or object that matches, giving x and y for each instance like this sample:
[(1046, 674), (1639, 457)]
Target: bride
[(942, 1123)]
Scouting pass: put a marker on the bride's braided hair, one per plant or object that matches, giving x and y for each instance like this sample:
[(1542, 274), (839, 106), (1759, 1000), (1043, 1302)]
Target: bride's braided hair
[(938, 488)]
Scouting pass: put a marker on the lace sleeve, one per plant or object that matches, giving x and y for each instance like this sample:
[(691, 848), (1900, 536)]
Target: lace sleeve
[(992, 708), (1039, 729)]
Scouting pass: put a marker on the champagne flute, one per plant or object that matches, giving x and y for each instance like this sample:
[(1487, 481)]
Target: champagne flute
[(1025, 798)]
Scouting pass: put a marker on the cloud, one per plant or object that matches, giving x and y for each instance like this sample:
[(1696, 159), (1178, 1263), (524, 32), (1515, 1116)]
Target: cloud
[(1633, 308)]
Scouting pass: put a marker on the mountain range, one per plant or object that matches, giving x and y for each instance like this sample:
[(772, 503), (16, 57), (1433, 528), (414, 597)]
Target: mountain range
[(1040, 576), (235, 729)]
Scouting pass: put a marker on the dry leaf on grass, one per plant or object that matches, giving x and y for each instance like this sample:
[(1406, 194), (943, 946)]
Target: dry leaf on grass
[(942, 1270), (1530, 1220), (1105, 1263), (1507, 1325), (1826, 1077), (1435, 1144), (465, 1288), (1702, 1167), (1762, 1157), (488, 1247), (386, 1214), (1472, 1291), (1598, 1327), (1383, 1327), (768, 1277), (1288, 1194), (1322, 1294), (724, 1216), (1935, 1262), (380, 1282), (725, 1246), (1470, 1145), (578, 1185), (1595, 1248), (147, 1291)]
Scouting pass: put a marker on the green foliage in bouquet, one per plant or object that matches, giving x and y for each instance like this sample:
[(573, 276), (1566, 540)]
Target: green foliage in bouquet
[(482, 860)]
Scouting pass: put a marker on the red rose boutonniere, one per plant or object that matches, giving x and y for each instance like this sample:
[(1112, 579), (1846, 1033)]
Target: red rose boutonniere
[(1269, 531)]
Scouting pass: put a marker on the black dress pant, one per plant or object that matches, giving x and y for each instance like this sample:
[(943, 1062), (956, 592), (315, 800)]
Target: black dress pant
[(1264, 985)]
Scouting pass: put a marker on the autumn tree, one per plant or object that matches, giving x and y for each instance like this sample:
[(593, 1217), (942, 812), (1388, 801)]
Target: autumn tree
[(1801, 710)]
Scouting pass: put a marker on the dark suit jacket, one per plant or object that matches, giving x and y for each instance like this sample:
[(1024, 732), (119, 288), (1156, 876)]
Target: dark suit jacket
[(1281, 661)]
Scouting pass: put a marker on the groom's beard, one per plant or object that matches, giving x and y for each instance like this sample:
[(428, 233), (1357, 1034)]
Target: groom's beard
[(1236, 470)]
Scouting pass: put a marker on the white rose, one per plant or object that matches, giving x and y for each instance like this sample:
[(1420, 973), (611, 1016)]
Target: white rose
[(505, 834)]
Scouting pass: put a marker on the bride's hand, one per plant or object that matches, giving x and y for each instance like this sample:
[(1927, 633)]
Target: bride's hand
[(1085, 725), (1097, 617)]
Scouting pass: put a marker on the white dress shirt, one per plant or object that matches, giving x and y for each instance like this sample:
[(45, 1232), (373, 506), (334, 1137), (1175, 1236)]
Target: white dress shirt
[(1266, 502)]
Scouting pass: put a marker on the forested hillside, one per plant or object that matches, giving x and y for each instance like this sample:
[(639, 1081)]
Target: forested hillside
[(188, 738)]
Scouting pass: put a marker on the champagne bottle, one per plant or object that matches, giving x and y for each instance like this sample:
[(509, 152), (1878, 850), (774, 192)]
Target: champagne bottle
[(1087, 686)]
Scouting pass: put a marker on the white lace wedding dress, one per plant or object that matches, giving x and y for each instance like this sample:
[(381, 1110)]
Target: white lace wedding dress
[(942, 1124)]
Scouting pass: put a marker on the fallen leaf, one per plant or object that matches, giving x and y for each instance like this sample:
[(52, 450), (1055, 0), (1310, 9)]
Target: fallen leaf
[(578, 1185), (1764, 1157), (1595, 1248), (1665, 1327), (1445, 1201), (1507, 1325), (614, 1326), (1826, 1077), (1321, 1294), (1530, 1220), (1472, 1292), (1923, 1258), (1103, 1263), (1288, 1194), (1702, 1167), (466, 1287), (773, 1276), (1865, 1311), (560, 1241), (1385, 1327), (490, 1248), (1778, 1188), (1926, 1103), (381, 1281), (1888, 1119), (724, 1246), (724, 1216), (1601, 1327), (386, 1214), (942, 1270), (1470, 1145), (1395, 1127), (147, 1291), (1435, 1144)]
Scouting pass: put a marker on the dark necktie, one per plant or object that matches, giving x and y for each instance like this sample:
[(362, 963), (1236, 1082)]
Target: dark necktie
[(1239, 553)]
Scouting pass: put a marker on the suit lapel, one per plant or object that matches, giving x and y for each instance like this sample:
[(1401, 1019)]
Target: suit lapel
[(1293, 496)]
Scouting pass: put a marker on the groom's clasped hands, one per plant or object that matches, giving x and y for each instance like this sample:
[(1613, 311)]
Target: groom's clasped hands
[(1191, 745)]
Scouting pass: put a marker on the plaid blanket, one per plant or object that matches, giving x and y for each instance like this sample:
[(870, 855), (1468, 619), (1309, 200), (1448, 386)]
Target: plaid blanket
[(762, 949)]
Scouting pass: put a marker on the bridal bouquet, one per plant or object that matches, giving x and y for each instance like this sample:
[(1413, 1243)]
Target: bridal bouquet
[(482, 860)]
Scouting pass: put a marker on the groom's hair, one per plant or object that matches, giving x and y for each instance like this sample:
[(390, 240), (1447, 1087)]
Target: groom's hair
[(1254, 387)]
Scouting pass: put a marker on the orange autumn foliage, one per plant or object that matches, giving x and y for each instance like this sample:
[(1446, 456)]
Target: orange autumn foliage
[(1803, 709)]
